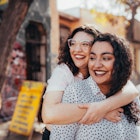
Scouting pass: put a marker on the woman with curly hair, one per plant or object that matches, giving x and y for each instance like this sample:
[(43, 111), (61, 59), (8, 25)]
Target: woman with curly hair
[(73, 66), (110, 66)]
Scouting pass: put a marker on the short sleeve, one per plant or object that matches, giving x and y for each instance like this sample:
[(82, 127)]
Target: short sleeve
[(60, 79)]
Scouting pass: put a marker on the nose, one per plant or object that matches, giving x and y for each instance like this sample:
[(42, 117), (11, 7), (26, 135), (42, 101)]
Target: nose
[(77, 47), (98, 63)]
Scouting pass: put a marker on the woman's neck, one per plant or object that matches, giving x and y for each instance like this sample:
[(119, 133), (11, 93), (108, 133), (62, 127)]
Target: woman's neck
[(104, 89), (84, 72)]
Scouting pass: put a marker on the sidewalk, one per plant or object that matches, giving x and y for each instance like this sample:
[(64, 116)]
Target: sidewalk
[(13, 136)]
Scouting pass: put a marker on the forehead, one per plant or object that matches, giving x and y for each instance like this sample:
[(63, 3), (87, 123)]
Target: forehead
[(83, 36), (101, 47)]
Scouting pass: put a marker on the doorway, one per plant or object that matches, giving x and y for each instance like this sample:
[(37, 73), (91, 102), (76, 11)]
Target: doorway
[(36, 52)]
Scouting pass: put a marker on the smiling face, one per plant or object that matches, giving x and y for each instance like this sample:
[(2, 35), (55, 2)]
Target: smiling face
[(80, 54), (101, 63)]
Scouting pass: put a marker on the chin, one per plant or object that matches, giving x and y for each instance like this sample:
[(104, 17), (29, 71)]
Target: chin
[(99, 82)]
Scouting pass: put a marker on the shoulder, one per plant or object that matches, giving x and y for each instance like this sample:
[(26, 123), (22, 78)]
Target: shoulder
[(61, 77), (76, 86), (85, 84), (86, 89), (62, 68), (72, 92)]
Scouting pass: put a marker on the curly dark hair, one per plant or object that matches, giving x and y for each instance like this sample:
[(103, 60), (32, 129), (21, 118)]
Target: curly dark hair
[(122, 70), (64, 53)]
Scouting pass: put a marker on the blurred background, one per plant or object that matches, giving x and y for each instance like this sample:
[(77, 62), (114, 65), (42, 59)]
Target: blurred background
[(31, 32)]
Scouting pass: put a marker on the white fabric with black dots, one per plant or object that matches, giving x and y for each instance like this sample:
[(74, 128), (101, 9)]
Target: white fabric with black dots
[(86, 91)]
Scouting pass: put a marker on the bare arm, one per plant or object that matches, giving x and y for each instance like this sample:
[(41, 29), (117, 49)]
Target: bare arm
[(123, 97), (54, 112)]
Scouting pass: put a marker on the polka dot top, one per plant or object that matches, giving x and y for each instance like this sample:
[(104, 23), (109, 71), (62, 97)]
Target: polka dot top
[(86, 91)]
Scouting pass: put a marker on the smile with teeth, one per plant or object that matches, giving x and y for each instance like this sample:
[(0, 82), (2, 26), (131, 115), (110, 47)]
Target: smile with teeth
[(99, 73), (79, 56)]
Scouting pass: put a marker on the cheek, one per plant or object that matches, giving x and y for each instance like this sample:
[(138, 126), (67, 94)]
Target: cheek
[(88, 51), (71, 52), (90, 65), (111, 68), (87, 58), (87, 54)]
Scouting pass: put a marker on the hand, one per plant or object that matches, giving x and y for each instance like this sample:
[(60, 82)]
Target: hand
[(95, 112), (114, 116)]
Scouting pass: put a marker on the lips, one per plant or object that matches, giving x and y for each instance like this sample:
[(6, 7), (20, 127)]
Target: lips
[(99, 73), (79, 56)]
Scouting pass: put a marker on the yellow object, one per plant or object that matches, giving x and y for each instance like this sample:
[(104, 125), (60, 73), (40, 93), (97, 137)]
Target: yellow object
[(27, 107), (2, 2)]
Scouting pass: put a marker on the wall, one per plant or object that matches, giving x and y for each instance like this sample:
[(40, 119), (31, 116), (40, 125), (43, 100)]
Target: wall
[(54, 33)]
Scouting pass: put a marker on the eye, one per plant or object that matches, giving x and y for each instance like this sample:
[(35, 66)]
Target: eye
[(106, 58), (85, 43), (72, 43), (92, 58)]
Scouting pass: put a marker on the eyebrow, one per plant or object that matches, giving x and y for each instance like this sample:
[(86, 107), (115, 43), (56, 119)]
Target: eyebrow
[(102, 53), (81, 40)]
